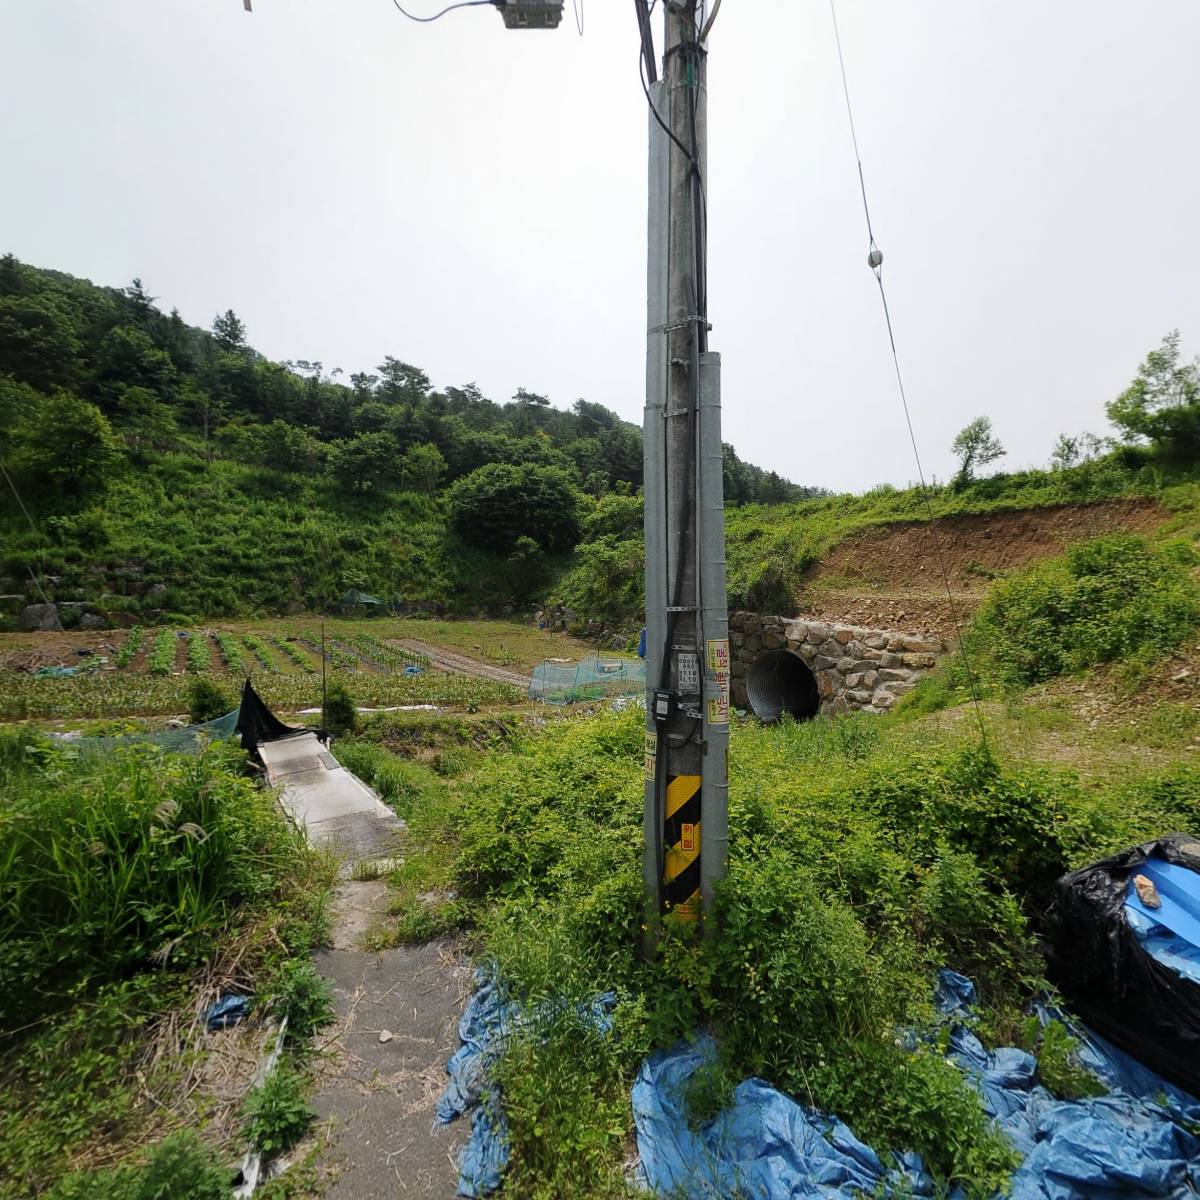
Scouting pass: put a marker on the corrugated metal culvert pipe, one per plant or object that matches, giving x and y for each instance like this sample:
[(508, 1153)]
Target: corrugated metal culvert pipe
[(780, 682)]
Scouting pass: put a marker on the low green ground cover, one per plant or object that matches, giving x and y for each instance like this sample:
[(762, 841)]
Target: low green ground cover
[(129, 883), (865, 854)]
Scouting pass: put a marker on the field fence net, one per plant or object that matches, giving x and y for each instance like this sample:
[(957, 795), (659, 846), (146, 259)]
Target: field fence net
[(591, 679)]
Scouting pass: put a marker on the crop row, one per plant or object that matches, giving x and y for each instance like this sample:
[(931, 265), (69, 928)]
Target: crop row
[(231, 653), (133, 642), (288, 648), (162, 652), (395, 657), (199, 653), (260, 650), (109, 694)]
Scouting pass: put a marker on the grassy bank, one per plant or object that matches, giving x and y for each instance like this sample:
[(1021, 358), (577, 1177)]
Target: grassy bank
[(136, 888)]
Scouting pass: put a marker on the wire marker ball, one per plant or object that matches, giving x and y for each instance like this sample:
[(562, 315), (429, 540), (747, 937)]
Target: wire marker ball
[(875, 259)]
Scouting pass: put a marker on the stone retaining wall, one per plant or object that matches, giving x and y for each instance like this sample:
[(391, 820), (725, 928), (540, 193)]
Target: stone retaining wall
[(857, 670)]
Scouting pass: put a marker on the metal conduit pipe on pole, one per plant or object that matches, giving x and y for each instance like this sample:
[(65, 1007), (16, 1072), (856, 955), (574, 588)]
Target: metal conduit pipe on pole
[(687, 693), (654, 498), (714, 621)]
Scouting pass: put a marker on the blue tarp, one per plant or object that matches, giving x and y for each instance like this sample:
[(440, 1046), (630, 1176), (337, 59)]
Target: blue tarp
[(1170, 933), (1133, 1142)]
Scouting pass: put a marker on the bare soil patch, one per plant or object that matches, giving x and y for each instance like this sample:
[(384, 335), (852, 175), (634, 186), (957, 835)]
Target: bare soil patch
[(892, 575), (448, 660)]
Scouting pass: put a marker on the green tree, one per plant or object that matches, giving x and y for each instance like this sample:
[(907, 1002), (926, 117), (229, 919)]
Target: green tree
[(66, 445), (501, 502), (284, 446), (401, 382), (129, 358), (146, 422), (422, 468), (229, 331), (37, 343), (1162, 405), (975, 447), (365, 463)]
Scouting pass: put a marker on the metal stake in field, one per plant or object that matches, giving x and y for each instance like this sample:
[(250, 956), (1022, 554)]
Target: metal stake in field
[(324, 693), (687, 646)]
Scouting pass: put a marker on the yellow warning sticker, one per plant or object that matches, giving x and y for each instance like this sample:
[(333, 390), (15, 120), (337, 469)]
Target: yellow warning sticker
[(718, 655)]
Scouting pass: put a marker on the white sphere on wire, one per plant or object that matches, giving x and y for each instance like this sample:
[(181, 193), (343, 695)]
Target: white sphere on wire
[(875, 259)]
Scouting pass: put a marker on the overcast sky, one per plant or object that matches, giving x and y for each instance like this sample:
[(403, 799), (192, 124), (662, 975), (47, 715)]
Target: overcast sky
[(472, 200)]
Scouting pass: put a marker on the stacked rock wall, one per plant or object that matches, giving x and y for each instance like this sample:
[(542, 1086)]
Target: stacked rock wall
[(856, 670)]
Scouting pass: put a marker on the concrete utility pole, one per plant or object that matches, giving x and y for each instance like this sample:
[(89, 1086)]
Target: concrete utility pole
[(687, 646)]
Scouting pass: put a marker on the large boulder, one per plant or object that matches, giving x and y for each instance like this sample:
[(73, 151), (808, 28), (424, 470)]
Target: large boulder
[(93, 620), (36, 618)]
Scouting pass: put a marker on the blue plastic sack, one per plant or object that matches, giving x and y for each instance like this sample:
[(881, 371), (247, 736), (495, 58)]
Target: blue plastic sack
[(226, 1011)]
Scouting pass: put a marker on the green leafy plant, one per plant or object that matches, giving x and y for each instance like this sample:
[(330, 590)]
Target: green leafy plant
[(1059, 1068), (181, 1166), (277, 1113), (303, 996), (340, 715)]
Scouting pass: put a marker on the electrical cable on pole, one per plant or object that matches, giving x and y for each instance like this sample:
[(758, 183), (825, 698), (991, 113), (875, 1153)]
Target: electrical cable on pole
[(448, 8), (875, 262)]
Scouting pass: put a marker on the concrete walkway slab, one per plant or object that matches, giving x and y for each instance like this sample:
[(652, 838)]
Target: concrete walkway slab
[(332, 805), (378, 1097)]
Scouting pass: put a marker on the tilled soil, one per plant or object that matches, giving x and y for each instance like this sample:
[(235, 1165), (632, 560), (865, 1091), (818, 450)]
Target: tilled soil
[(460, 664)]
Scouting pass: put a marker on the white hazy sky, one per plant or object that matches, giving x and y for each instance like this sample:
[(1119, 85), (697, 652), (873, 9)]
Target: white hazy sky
[(473, 200)]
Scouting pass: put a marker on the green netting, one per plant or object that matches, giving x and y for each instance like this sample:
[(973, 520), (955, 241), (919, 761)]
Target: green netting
[(592, 679), (187, 740)]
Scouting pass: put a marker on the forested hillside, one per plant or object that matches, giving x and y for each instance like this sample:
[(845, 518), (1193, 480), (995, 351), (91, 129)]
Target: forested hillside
[(171, 469)]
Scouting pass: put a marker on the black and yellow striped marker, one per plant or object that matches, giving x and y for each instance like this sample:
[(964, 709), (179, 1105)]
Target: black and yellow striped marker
[(681, 841)]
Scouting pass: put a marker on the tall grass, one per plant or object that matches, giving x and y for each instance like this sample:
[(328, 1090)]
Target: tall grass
[(123, 862)]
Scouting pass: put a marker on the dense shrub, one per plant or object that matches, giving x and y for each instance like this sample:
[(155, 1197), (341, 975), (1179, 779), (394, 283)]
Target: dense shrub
[(206, 701), (843, 897), (181, 1166)]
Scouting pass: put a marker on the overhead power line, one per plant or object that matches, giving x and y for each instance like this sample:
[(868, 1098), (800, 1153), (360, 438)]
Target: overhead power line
[(875, 262)]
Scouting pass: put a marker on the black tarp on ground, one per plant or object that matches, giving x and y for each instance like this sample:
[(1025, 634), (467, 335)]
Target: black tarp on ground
[(1095, 959), (257, 723)]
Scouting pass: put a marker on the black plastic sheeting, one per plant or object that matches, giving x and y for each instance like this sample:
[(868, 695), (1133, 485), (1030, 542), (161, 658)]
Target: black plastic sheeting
[(1095, 959), (257, 723)]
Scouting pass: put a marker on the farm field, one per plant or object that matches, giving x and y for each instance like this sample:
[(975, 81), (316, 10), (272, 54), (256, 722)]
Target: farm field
[(146, 671)]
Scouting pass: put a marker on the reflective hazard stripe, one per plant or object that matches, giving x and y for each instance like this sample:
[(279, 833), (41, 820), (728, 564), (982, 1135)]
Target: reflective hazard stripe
[(681, 841)]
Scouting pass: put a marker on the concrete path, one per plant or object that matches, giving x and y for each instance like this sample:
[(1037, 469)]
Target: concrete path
[(378, 1096)]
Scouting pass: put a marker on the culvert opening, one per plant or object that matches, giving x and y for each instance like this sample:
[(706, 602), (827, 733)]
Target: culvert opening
[(780, 682)]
